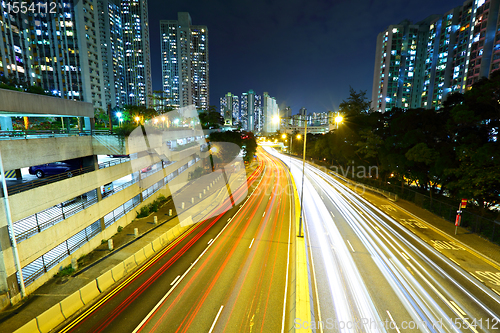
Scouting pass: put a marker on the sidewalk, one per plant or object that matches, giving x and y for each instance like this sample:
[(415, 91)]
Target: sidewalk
[(101, 259)]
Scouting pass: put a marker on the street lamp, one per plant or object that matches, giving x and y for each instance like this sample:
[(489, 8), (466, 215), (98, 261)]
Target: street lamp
[(137, 120), (338, 119), (163, 120)]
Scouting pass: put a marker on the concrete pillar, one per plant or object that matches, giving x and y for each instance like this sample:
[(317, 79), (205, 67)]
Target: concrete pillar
[(87, 124), (110, 245), (6, 124), (192, 200), (136, 232), (155, 219), (65, 121), (182, 205), (200, 194), (169, 212)]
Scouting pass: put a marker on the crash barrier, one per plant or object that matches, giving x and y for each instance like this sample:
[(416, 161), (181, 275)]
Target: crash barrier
[(61, 311)]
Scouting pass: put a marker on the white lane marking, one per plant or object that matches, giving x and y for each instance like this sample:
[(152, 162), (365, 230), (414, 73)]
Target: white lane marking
[(177, 278), (251, 243), (210, 241), (332, 214), (160, 302), (350, 246), (405, 255), (264, 214), (458, 308), (392, 321), (497, 292), (216, 317)]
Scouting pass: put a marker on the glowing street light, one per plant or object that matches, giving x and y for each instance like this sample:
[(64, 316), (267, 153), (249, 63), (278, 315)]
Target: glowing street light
[(137, 120), (283, 136), (338, 119), (163, 120), (276, 119)]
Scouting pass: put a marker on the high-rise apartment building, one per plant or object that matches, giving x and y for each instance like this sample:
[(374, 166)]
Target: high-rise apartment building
[(44, 49), (418, 65), (78, 52), (229, 109), (251, 111), (271, 113), (185, 66), (137, 57), (111, 36)]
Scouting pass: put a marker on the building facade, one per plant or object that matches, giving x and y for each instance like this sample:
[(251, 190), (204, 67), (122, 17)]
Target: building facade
[(230, 109), (137, 57), (271, 114), (419, 65), (185, 65), (78, 51)]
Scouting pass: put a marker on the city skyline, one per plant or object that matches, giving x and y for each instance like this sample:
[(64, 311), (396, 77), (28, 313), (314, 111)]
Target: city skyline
[(297, 51)]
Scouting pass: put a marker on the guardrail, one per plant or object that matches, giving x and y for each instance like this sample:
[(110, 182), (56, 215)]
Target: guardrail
[(108, 164), (17, 188), (37, 134), (387, 194)]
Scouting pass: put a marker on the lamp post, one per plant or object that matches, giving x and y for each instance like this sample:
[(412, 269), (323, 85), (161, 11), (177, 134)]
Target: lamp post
[(137, 120), (163, 120)]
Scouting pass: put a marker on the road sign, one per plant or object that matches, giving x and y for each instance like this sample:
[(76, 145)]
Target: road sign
[(457, 220), (464, 203)]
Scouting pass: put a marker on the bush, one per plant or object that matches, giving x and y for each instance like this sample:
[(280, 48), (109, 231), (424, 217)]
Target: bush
[(143, 212), (120, 228), (68, 270), (153, 207)]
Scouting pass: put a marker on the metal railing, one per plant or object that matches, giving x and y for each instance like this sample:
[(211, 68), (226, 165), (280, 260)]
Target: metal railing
[(120, 188), (115, 161), (51, 133), (17, 188), (33, 224), (49, 259), (484, 226)]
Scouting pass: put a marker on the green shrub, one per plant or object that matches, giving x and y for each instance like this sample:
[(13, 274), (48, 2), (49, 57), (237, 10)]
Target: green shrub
[(143, 212), (68, 270), (153, 207), (120, 228)]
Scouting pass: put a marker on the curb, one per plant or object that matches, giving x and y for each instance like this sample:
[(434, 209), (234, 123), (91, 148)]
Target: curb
[(302, 292)]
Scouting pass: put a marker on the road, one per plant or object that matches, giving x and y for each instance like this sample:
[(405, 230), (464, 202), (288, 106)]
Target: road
[(374, 263), (230, 273)]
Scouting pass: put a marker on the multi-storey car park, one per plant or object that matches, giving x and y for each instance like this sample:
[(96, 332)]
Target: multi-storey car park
[(66, 216)]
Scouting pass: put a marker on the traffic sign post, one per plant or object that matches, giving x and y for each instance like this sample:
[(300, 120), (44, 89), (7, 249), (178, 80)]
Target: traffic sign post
[(463, 204)]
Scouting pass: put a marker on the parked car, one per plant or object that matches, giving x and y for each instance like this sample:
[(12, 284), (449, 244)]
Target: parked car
[(52, 169)]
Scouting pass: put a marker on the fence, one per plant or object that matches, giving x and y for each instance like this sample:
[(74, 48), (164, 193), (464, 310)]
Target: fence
[(30, 225), (17, 188), (475, 223), (45, 262)]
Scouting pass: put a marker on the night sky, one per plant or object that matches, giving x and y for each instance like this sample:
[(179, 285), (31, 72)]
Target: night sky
[(303, 52)]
